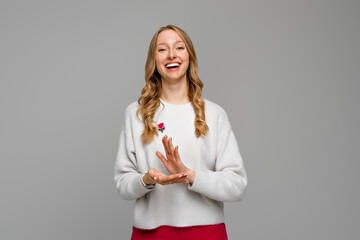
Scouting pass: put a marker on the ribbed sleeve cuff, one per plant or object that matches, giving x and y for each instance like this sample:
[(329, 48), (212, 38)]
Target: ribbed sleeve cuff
[(199, 182), (220, 186)]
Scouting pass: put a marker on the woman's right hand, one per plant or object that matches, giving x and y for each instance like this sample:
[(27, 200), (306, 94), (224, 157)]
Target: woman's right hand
[(154, 176)]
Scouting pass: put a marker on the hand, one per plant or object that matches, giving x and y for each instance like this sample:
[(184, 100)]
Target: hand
[(173, 162), (154, 176)]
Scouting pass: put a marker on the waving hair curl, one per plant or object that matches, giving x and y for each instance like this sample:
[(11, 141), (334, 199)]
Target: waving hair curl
[(149, 100)]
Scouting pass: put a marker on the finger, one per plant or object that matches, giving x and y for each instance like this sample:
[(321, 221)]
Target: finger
[(177, 155), (168, 178), (180, 178), (171, 147), (157, 176), (166, 147), (152, 173), (162, 158)]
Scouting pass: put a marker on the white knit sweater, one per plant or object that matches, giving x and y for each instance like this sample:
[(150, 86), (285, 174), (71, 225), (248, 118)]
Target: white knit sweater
[(216, 159)]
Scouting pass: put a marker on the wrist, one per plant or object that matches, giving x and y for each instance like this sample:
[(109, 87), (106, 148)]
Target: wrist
[(191, 175)]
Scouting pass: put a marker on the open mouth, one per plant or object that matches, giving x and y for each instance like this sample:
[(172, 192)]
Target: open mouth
[(173, 66)]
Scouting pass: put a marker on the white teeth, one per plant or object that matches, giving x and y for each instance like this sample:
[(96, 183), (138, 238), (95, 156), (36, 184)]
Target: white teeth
[(173, 65)]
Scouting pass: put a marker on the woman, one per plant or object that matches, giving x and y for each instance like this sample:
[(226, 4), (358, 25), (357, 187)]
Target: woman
[(178, 156)]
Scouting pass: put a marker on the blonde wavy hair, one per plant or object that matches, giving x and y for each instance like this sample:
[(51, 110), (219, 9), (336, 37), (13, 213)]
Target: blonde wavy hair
[(149, 100)]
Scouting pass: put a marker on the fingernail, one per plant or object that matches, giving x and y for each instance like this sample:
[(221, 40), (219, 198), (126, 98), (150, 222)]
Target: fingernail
[(180, 176), (155, 178)]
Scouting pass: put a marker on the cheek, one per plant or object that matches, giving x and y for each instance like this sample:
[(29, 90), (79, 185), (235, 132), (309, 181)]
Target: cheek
[(158, 64), (187, 61), (186, 57), (186, 67)]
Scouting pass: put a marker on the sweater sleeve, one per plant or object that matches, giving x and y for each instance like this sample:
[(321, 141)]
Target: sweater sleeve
[(126, 175), (229, 180)]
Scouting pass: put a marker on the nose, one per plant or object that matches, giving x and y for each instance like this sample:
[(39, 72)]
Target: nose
[(171, 53)]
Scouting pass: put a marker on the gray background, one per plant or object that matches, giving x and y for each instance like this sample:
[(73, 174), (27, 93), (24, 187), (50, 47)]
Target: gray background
[(286, 72)]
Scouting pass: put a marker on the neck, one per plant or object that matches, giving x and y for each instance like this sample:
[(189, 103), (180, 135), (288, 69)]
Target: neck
[(175, 93)]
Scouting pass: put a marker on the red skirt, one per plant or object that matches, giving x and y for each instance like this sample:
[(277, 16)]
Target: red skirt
[(201, 232)]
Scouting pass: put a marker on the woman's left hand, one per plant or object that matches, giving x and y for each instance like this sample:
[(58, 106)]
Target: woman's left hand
[(173, 162)]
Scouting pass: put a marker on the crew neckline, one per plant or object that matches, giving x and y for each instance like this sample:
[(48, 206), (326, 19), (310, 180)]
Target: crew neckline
[(176, 106)]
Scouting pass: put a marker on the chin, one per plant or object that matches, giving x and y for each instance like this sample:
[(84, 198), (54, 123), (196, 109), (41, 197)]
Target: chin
[(174, 79)]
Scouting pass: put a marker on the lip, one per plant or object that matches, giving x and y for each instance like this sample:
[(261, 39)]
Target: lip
[(173, 69), (172, 62)]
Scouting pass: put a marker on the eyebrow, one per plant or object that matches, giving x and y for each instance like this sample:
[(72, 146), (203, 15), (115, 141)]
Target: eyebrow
[(166, 43)]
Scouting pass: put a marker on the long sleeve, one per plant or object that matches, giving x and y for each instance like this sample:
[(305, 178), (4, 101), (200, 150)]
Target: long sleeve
[(229, 180), (126, 175)]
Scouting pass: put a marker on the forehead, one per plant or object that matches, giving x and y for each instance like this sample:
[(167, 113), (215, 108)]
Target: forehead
[(168, 36)]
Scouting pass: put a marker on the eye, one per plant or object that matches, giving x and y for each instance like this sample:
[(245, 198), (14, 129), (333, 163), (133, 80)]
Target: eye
[(160, 50), (180, 47)]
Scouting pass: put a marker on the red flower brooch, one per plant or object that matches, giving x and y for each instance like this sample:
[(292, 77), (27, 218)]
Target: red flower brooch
[(161, 127)]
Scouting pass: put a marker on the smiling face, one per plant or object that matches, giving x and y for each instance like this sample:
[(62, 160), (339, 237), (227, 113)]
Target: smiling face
[(171, 56)]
